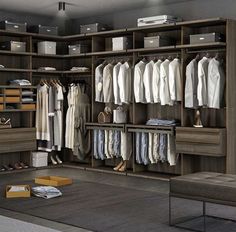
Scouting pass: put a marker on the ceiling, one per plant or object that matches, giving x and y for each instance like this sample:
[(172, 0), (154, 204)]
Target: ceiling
[(78, 8)]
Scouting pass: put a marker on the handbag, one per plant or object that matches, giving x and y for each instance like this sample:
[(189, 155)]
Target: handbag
[(119, 115), (105, 116)]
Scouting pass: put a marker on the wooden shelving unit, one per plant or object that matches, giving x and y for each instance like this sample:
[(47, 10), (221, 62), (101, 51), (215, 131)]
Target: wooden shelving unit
[(27, 64)]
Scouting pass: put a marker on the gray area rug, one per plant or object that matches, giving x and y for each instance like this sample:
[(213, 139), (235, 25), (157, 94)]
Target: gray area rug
[(101, 207)]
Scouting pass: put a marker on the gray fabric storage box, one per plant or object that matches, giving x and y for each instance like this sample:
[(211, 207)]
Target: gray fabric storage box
[(206, 38), (47, 47), (11, 26), (46, 30), (13, 46), (78, 49), (156, 41), (121, 43), (91, 28)]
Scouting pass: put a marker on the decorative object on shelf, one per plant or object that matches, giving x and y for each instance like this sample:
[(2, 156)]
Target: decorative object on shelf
[(5, 123), (119, 115), (105, 116), (197, 119)]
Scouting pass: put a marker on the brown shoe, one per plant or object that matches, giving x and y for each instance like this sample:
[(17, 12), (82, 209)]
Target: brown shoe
[(118, 166), (123, 167), (23, 165), (17, 166)]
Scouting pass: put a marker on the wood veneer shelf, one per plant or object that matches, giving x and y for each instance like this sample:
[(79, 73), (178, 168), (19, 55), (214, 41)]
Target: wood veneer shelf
[(104, 53), (15, 70), (203, 22), (203, 46), (47, 55), (15, 110), (161, 49), (10, 53)]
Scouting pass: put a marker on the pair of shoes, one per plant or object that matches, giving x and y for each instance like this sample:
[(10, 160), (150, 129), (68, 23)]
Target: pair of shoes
[(197, 119), (55, 160), (7, 167), (121, 167), (20, 165)]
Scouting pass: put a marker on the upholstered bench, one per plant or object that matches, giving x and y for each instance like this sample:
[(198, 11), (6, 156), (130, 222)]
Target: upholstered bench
[(206, 187)]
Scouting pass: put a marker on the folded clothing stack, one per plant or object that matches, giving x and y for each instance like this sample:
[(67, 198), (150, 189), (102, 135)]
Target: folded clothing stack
[(47, 69), (80, 69), (20, 82), (27, 93), (46, 192), (27, 99)]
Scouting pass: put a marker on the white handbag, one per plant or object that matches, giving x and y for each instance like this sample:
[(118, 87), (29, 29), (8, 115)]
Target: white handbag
[(119, 115)]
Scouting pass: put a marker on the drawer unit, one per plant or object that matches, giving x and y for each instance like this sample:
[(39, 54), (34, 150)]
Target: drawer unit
[(12, 99), (47, 47), (13, 46), (91, 28), (121, 43), (12, 92), (12, 26), (28, 106), (17, 139), (78, 49), (46, 30), (201, 141), (156, 41), (206, 38)]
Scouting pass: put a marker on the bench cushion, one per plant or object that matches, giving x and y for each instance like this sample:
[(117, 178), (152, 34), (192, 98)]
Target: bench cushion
[(205, 185)]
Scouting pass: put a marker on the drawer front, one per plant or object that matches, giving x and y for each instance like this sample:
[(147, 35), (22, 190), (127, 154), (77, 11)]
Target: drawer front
[(1, 99), (12, 92), (201, 141), (1, 107), (12, 99), (28, 106), (17, 139)]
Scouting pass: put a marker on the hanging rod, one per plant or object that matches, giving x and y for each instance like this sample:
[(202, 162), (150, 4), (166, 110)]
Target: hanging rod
[(150, 131), (204, 51), (160, 54), (105, 126)]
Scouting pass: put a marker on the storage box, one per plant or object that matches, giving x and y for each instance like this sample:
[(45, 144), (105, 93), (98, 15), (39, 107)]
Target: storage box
[(39, 159), (121, 43), (13, 46), (157, 20), (12, 92), (78, 49), (47, 47), (206, 38), (12, 99), (12, 26), (91, 28), (18, 194), (28, 106), (43, 30), (53, 180), (156, 41)]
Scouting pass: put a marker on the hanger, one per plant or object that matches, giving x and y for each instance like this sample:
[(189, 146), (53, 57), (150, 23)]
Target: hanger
[(207, 55), (197, 57), (217, 56)]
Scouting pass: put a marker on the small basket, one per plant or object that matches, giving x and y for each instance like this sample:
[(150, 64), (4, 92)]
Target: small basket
[(106, 116)]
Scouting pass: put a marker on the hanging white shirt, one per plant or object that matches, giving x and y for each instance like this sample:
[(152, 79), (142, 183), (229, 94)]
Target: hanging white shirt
[(164, 83), (124, 82), (175, 80), (126, 145), (171, 150), (99, 83), (108, 83), (116, 89), (147, 81), (138, 82), (202, 81), (191, 85), (156, 81)]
